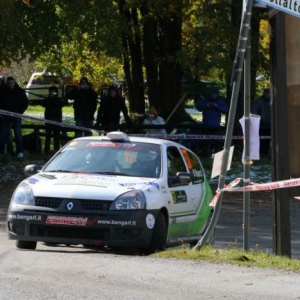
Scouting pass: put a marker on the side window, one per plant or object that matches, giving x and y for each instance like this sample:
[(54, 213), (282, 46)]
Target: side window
[(175, 164), (194, 166)]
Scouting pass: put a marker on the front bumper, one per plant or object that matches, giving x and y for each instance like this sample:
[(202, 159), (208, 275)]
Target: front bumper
[(111, 228)]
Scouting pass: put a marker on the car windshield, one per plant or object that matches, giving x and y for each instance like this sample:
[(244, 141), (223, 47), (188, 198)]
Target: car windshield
[(46, 79), (107, 157)]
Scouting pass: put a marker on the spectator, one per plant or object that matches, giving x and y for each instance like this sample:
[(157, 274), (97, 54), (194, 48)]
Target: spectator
[(261, 107), (154, 119), (13, 99), (2, 83), (9, 143), (85, 105), (212, 109), (110, 108), (53, 112), (2, 87)]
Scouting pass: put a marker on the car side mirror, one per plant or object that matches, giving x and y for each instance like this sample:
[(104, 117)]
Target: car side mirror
[(31, 170), (184, 177)]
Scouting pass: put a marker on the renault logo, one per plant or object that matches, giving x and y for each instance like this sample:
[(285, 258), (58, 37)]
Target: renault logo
[(70, 205)]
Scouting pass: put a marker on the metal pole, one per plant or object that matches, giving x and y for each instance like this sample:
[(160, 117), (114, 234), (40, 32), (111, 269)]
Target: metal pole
[(246, 160), (175, 108), (236, 81)]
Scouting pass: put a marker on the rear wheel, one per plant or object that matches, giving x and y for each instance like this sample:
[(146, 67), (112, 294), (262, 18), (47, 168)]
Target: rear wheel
[(159, 236), (26, 245)]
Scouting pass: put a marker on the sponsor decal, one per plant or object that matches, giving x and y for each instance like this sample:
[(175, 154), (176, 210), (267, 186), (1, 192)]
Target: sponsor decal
[(32, 180), (179, 197), (81, 180), (197, 173), (112, 145), (130, 184), (73, 221), (154, 184), (150, 221), (117, 222), (25, 217)]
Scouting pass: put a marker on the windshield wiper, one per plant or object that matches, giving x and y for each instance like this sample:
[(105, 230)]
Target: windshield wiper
[(112, 173), (62, 171)]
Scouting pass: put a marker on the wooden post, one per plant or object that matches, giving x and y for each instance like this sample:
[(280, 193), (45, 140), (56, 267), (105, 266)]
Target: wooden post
[(279, 128)]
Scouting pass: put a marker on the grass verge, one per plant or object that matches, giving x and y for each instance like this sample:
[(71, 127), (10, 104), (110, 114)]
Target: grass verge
[(233, 256)]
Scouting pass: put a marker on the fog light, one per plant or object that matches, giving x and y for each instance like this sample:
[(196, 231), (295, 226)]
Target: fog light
[(18, 228), (127, 234)]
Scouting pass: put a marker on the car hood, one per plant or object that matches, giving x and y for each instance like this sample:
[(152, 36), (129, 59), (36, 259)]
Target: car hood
[(86, 186)]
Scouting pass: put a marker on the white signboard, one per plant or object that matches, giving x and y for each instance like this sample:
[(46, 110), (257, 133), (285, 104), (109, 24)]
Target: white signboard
[(291, 7), (218, 158)]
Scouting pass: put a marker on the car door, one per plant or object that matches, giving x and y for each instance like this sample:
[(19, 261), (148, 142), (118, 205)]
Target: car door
[(186, 198)]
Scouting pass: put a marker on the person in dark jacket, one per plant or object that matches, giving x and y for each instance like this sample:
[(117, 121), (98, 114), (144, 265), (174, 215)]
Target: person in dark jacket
[(13, 99), (53, 112), (110, 108), (262, 107), (212, 108), (85, 105)]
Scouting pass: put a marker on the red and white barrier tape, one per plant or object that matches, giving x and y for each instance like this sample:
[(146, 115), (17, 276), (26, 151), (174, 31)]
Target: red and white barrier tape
[(28, 117), (181, 136), (255, 187)]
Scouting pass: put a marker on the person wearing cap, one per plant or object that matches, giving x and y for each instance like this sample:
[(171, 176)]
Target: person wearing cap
[(262, 107), (153, 118), (110, 109), (13, 99), (84, 105), (53, 112)]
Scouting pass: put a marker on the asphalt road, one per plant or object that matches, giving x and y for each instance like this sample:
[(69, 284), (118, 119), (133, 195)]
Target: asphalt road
[(79, 273)]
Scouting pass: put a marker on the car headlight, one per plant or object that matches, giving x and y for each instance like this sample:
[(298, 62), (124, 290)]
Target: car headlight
[(130, 200), (23, 195)]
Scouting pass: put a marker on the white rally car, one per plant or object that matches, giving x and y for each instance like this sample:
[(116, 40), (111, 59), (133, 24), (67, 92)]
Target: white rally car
[(113, 191)]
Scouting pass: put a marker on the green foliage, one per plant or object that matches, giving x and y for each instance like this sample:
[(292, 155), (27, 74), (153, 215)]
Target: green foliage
[(91, 38)]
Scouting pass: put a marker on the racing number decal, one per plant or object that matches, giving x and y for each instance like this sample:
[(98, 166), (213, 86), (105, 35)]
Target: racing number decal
[(130, 157), (187, 158)]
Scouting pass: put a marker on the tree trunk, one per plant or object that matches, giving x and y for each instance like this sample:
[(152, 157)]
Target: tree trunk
[(170, 72), (150, 56), (132, 35)]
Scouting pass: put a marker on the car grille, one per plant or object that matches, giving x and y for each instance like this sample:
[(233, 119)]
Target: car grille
[(69, 232), (88, 205), (95, 204), (48, 202)]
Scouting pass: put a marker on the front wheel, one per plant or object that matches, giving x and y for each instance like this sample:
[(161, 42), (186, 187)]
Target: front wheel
[(159, 236), (26, 245)]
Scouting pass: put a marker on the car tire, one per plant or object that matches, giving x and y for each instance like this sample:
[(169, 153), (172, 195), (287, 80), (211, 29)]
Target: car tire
[(159, 236), (26, 245)]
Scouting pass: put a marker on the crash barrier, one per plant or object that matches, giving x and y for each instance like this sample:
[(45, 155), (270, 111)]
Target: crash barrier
[(254, 187), (38, 130)]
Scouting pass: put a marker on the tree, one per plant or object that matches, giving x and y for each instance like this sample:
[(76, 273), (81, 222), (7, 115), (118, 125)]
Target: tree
[(161, 43)]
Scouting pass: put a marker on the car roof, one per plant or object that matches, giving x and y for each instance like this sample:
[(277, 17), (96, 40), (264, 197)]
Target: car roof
[(118, 136)]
